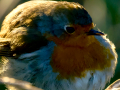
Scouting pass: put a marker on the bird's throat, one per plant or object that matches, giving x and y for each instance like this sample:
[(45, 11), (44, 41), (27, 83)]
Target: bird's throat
[(73, 61)]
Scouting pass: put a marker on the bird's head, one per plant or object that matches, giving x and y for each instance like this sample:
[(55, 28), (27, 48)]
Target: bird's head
[(71, 25)]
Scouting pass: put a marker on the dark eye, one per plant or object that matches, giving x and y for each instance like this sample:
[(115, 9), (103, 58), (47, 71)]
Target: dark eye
[(69, 29)]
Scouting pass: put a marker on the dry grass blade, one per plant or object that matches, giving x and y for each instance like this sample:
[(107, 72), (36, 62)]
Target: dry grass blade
[(114, 86)]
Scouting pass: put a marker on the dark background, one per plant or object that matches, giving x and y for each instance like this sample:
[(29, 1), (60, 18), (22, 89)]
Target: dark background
[(105, 14)]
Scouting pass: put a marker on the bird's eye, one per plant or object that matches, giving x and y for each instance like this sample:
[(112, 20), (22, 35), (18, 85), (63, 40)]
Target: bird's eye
[(69, 29)]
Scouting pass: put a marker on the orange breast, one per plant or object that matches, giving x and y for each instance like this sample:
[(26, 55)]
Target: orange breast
[(72, 61)]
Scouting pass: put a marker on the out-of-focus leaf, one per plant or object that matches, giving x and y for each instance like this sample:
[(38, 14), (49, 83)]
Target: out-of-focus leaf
[(17, 84)]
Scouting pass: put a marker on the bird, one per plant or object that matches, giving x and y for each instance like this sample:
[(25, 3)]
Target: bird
[(53, 45)]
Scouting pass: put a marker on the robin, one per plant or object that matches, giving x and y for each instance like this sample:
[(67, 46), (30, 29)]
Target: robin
[(54, 46)]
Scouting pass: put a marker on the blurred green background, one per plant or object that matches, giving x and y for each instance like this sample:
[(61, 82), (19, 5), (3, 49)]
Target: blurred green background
[(105, 14)]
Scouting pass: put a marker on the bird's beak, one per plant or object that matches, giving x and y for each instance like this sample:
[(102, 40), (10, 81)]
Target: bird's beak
[(94, 32)]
